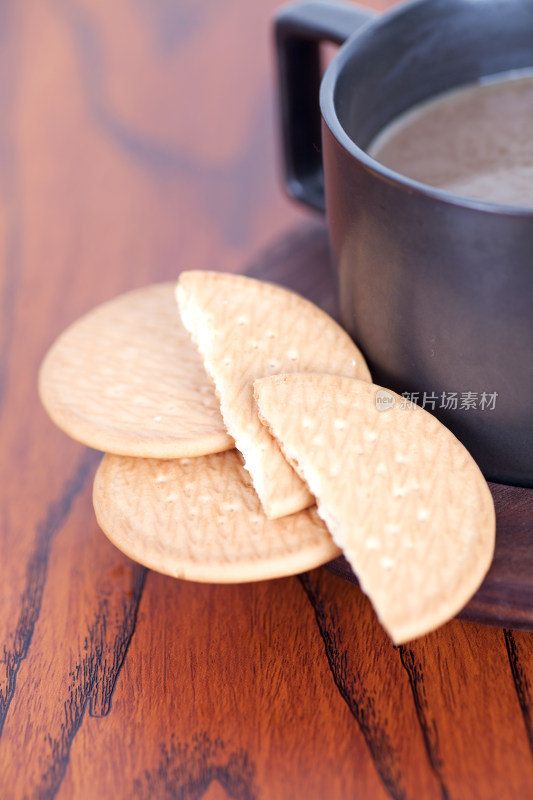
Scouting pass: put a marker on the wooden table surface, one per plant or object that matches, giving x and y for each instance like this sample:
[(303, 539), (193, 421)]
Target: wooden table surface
[(137, 140)]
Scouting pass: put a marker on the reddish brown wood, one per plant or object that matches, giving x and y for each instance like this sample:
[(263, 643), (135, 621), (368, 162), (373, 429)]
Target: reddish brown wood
[(137, 139)]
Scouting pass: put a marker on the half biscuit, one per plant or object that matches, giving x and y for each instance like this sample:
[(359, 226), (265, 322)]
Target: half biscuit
[(247, 329), (400, 494)]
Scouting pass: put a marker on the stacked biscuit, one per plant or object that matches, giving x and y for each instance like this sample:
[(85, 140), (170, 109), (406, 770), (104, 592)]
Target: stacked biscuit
[(243, 442)]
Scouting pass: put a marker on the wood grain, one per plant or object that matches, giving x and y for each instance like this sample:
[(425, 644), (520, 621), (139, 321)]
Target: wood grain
[(138, 139)]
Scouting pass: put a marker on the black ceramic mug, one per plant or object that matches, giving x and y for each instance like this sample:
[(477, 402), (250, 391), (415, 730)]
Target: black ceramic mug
[(436, 289)]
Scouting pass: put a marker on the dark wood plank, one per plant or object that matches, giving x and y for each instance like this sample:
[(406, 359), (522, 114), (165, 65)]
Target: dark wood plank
[(369, 675), (467, 704), (520, 652), (226, 684), (71, 640), (437, 712)]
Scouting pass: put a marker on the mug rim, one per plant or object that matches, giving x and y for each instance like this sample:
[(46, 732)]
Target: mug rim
[(410, 185)]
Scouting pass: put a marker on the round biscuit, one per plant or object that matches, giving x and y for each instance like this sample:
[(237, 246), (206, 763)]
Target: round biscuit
[(200, 519), (400, 494), (126, 379)]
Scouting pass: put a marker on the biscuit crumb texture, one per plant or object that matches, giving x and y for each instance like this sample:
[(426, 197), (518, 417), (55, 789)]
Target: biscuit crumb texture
[(200, 519), (246, 329), (401, 496)]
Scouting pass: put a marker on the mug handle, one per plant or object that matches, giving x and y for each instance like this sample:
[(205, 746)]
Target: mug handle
[(299, 30)]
